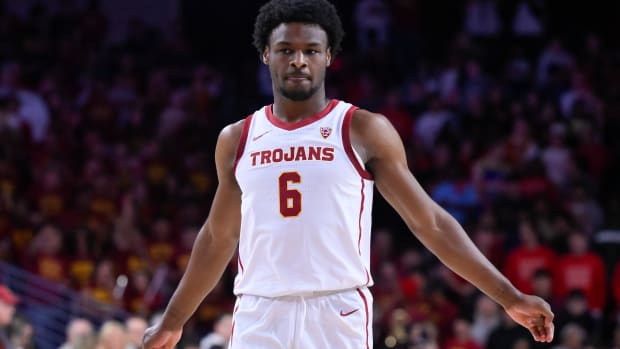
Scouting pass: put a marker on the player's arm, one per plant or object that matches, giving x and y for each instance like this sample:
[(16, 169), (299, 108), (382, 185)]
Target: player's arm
[(214, 247), (380, 146)]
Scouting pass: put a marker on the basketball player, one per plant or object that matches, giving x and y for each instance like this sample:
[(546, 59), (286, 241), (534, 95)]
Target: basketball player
[(295, 192)]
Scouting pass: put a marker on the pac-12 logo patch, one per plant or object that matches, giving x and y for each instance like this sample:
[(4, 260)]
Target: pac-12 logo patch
[(326, 131)]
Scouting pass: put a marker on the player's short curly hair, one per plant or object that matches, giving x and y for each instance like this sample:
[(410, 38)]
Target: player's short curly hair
[(276, 12)]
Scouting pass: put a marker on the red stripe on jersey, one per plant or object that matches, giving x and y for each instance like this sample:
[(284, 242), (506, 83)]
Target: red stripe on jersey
[(348, 147), (359, 238), (242, 139), (295, 125), (239, 261), (367, 314), (359, 221)]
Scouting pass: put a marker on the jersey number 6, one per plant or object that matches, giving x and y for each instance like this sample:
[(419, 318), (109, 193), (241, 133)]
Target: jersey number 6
[(290, 199)]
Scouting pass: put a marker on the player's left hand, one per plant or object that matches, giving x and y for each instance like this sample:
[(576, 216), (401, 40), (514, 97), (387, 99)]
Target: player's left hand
[(534, 314)]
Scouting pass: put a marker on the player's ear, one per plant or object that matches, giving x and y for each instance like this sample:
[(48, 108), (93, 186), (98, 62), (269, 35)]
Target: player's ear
[(266, 55), (328, 56)]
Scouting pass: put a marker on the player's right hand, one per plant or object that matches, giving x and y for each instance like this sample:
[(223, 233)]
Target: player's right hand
[(534, 314), (156, 337)]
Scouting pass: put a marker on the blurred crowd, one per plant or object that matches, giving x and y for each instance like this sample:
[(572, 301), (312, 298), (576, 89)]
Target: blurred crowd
[(106, 161)]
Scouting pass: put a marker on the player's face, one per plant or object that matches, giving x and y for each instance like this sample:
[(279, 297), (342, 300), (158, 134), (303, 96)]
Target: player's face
[(297, 56)]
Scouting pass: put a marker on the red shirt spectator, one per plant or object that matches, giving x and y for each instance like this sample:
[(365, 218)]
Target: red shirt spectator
[(581, 270), (530, 256)]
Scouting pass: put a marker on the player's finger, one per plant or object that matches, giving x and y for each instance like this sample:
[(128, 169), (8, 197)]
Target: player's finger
[(539, 333), (548, 314), (549, 329)]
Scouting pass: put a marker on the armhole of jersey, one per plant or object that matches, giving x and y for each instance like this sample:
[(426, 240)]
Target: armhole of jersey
[(242, 140), (348, 147)]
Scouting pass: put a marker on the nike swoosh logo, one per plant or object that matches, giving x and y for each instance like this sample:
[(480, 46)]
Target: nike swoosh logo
[(349, 313), (260, 135)]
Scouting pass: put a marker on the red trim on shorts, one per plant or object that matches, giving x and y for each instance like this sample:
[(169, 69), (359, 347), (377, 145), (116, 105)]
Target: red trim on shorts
[(348, 148), (232, 330), (367, 314), (295, 125), (242, 139)]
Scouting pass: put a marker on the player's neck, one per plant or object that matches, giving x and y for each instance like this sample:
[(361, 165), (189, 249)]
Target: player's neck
[(294, 111)]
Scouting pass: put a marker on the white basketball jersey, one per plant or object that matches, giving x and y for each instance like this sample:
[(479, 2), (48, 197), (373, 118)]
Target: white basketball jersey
[(306, 205)]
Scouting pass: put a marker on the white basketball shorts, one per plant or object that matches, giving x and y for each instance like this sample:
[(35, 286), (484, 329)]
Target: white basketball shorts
[(340, 320)]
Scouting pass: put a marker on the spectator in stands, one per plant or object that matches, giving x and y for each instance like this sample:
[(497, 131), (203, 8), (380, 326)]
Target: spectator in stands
[(491, 173), (33, 110), (572, 336), (161, 247), (372, 18), (47, 258), (542, 286), (423, 335), (102, 289), (112, 335), (585, 210), (521, 147), (79, 331), (462, 337), (553, 56), (22, 333), (82, 264), (557, 157), (222, 331), (457, 195), (575, 311), (135, 327), (581, 269), (430, 124), (528, 257), (506, 335), (8, 300), (580, 95), (486, 318)]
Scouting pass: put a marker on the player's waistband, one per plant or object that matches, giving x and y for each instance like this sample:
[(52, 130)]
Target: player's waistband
[(309, 294)]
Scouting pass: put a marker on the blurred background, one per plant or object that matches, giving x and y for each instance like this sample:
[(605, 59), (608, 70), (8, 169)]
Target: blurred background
[(109, 112)]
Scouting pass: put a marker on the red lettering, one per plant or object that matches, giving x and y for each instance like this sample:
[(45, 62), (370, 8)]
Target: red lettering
[(294, 154), (301, 154), (277, 155), (328, 154), (314, 153), (265, 157), (254, 156), (290, 155)]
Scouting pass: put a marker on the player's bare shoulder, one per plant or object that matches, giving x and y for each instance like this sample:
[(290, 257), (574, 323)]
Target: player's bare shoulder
[(232, 132), (369, 131), (227, 143)]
